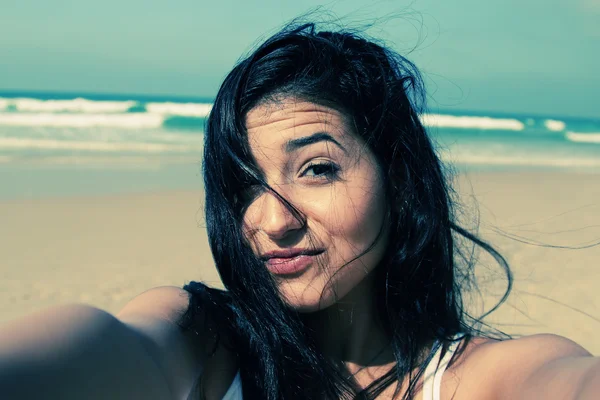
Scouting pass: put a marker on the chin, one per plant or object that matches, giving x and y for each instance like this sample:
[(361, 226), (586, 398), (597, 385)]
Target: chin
[(309, 308), (304, 308)]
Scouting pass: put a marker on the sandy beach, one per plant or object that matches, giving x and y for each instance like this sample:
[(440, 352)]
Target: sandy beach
[(103, 250)]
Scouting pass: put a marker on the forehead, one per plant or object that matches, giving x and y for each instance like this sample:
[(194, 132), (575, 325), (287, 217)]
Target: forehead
[(289, 119)]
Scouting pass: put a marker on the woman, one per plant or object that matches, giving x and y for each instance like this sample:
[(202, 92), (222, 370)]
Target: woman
[(331, 224)]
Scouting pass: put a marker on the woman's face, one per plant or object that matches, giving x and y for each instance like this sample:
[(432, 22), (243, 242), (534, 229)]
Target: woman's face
[(310, 156)]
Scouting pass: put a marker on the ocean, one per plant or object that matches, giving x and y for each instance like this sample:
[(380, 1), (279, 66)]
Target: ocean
[(78, 144)]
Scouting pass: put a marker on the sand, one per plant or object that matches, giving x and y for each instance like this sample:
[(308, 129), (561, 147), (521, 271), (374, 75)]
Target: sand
[(103, 250), (556, 289)]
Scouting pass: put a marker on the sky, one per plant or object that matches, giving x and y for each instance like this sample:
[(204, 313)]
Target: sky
[(539, 57)]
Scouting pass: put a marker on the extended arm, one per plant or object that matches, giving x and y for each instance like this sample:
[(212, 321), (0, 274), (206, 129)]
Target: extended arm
[(77, 351)]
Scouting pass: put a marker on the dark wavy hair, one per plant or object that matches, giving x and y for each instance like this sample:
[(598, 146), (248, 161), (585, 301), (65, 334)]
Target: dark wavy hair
[(423, 273)]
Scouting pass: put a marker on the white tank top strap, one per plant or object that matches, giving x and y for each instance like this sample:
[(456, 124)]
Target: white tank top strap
[(235, 390), (432, 383)]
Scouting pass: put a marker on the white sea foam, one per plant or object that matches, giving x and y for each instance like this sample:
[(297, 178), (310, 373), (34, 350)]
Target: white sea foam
[(591, 137), (110, 161), (48, 144), (78, 105), (134, 120), (522, 160), (4, 103), (469, 122), (554, 125), (181, 109)]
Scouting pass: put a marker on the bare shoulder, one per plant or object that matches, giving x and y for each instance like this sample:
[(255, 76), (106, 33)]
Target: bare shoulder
[(502, 369), (167, 303), (534, 349), (157, 314), (154, 316), (185, 354)]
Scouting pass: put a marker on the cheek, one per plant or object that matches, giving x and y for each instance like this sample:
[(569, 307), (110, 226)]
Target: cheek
[(364, 209), (353, 215)]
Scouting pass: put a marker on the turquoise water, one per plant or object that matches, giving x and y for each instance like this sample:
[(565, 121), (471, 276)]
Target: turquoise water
[(65, 144)]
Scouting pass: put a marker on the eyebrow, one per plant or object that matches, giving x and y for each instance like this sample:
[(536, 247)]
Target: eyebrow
[(295, 144)]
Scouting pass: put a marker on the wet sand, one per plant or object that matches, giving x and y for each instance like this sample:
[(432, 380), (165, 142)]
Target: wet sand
[(103, 250)]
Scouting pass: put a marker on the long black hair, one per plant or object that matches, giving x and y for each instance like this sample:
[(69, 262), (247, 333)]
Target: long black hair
[(420, 280)]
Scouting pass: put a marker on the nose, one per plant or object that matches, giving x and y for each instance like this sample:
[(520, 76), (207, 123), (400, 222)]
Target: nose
[(271, 215)]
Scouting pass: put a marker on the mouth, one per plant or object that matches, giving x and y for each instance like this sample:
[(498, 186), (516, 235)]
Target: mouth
[(290, 262)]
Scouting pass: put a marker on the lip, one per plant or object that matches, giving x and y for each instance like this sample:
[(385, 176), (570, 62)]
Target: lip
[(289, 261)]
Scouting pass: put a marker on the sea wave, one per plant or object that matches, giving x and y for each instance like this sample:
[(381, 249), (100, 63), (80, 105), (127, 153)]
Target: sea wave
[(192, 116), (554, 125), (174, 115), (578, 137), (78, 105), (471, 122), (522, 160), (133, 121), (181, 109), (141, 147), (82, 105), (105, 161)]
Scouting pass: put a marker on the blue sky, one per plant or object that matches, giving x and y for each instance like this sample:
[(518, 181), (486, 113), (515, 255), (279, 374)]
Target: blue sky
[(526, 56)]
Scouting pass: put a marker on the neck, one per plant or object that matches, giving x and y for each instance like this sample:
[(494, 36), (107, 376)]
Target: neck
[(351, 332)]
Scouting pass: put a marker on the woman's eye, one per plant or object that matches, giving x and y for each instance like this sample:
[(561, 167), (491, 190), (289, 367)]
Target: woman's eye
[(321, 170)]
